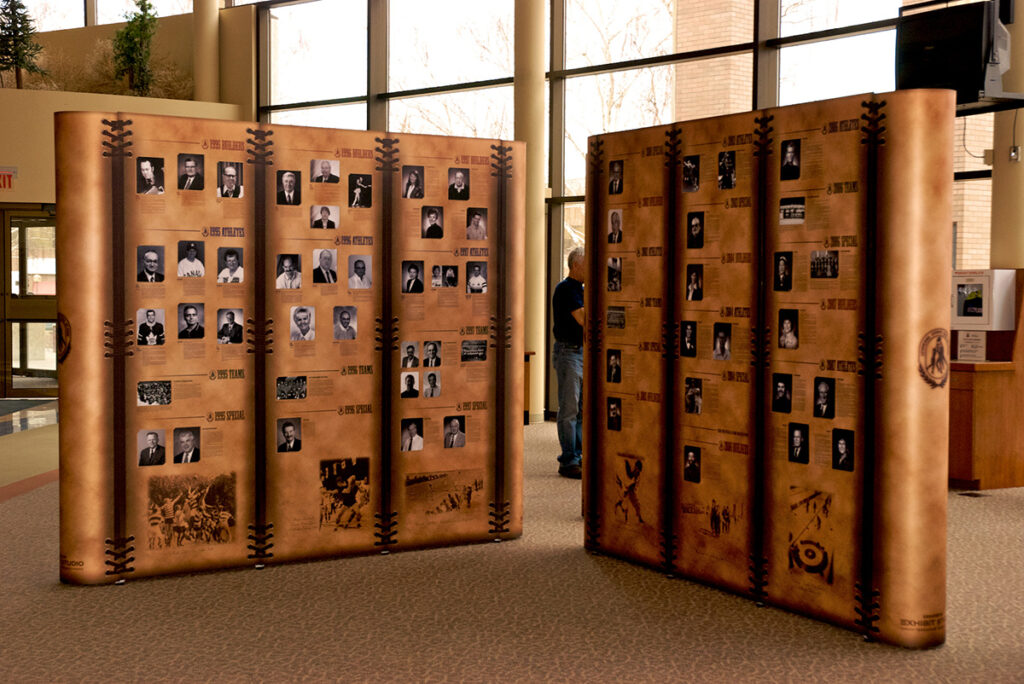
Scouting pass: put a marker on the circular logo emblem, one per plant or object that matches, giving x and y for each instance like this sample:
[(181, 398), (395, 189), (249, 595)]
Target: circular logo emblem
[(933, 357)]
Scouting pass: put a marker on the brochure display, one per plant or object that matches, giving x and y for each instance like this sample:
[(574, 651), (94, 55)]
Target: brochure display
[(768, 355), (282, 343)]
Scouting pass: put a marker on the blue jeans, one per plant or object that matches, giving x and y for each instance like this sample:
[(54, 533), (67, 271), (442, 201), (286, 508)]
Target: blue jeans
[(568, 363)]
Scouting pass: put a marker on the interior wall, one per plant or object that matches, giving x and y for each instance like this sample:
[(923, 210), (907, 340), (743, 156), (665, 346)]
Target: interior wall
[(26, 139)]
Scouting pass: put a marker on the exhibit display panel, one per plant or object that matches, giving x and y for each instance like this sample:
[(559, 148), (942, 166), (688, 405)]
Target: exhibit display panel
[(282, 343), (768, 356)]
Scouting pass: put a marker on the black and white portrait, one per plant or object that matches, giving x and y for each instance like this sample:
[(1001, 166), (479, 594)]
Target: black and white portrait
[(799, 443), (412, 182), (842, 450), (782, 392), (432, 223), (324, 171), (695, 230), (150, 260), (230, 326), (289, 187), (191, 321), (824, 397), (360, 190), (789, 329), (191, 258), (790, 160), (150, 329), (691, 173), (230, 268), (190, 171), (323, 216), (149, 175), (458, 184), (289, 435), (782, 278), (291, 387), (229, 179)]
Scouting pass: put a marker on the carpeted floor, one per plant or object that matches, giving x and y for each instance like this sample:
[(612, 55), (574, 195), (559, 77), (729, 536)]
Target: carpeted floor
[(535, 609)]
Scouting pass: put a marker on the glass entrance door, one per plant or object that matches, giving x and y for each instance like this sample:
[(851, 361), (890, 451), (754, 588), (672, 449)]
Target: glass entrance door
[(28, 341)]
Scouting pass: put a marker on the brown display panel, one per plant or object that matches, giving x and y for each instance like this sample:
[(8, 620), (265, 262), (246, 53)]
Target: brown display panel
[(804, 237), (267, 347)]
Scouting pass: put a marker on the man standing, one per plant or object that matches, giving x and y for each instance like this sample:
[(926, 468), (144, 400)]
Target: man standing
[(567, 358)]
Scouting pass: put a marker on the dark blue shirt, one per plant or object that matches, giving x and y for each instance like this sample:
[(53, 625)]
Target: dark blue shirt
[(567, 298)]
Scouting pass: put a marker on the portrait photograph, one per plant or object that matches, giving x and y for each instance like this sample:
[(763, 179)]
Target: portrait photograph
[(289, 272), (825, 263), (691, 173), (615, 274), (688, 339), (360, 270), (345, 323), (454, 432), (613, 362), (824, 397), (409, 385), (790, 160), (229, 179), (324, 171), (191, 171), (230, 267), (412, 182), (474, 350), (614, 414), (432, 353), (727, 170), (187, 445), (289, 187), (694, 282), (191, 258), (432, 223), (695, 230), (150, 327), (782, 392), (721, 350), (616, 172), (325, 266), (691, 464), (476, 223), (289, 435), (842, 450), (360, 190), (191, 321), (799, 443), (693, 396), (230, 326), (152, 446), (150, 260), (149, 175), (431, 384), (782, 278), (412, 277), (476, 277), (411, 437), (458, 184), (789, 329), (153, 393), (302, 327), (291, 387), (792, 210), (615, 226), (323, 216)]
